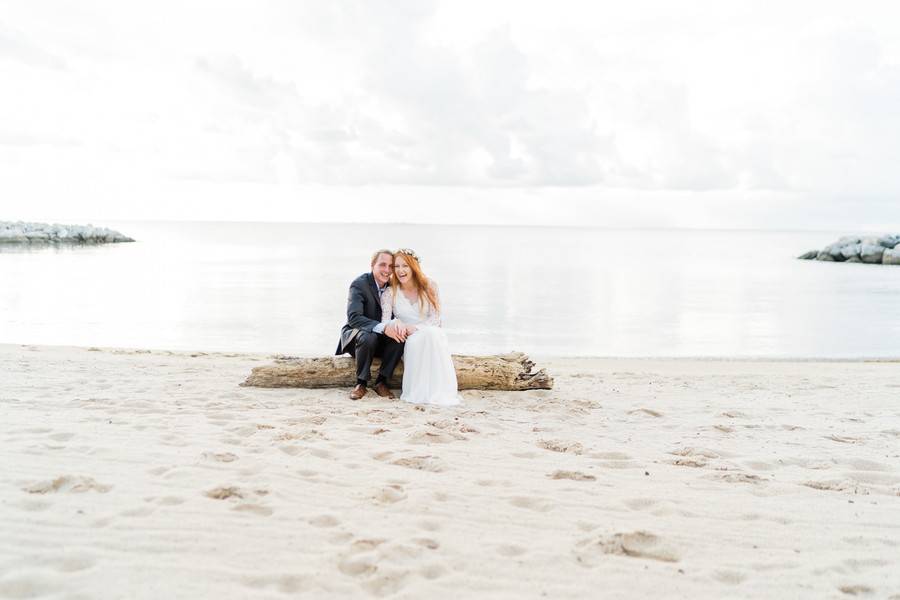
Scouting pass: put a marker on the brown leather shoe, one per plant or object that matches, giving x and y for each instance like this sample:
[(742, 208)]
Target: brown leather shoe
[(358, 392), (383, 390)]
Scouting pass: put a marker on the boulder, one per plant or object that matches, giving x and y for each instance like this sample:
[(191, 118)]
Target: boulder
[(889, 241), (871, 253), (835, 251), (854, 259), (824, 256), (809, 255), (851, 250), (891, 257)]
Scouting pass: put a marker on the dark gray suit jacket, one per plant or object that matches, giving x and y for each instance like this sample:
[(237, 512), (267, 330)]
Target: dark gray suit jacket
[(363, 310)]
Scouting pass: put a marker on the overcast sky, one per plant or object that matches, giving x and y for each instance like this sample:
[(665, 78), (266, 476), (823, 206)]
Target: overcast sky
[(641, 113)]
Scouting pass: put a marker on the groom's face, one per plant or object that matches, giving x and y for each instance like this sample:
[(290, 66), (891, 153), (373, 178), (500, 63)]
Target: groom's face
[(381, 270)]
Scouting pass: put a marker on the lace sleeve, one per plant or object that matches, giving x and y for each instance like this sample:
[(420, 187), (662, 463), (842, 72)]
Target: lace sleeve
[(387, 305), (434, 315)]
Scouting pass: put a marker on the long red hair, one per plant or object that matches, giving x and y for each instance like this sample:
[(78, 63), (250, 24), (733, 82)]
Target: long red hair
[(422, 284)]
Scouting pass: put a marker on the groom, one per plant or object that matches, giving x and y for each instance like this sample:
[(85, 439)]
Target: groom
[(364, 336)]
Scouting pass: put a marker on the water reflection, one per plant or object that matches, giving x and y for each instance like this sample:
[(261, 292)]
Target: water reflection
[(282, 288)]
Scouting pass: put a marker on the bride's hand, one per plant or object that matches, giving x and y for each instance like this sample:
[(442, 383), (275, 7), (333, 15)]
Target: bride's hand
[(396, 330), (411, 329)]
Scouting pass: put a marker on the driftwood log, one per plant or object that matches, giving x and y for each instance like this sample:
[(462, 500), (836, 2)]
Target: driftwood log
[(511, 371)]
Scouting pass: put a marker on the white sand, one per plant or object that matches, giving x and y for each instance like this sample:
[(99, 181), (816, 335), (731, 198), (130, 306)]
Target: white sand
[(153, 475)]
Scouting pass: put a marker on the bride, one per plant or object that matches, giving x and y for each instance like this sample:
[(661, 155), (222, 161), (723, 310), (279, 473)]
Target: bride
[(428, 373)]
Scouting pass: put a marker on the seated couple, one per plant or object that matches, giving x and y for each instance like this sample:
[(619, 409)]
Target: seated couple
[(394, 312)]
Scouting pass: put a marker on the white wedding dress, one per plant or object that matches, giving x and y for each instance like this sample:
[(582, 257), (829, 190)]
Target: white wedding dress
[(428, 373)]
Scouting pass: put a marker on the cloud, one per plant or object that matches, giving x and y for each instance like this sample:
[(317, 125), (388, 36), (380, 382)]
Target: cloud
[(721, 98), (16, 46), (26, 139)]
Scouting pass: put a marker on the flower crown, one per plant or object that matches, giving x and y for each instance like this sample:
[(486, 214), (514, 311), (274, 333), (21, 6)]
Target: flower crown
[(409, 252)]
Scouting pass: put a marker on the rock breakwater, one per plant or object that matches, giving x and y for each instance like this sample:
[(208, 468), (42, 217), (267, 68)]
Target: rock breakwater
[(42, 233), (877, 250)]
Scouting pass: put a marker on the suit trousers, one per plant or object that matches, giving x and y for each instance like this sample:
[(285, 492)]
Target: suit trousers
[(367, 345)]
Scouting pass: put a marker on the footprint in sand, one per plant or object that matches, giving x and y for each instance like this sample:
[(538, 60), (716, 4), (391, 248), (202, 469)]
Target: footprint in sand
[(225, 457), (610, 455), (692, 451), (286, 584), (427, 543), (856, 590), (310, 420), (324, 521), (641, 503), (637, 544), (368, 560), (739, 478), (432, 572), (427, 525), (138, 512), (256, 509), (224, 493), (390, 494), (433, 437), (309, 434), (572, 475), (492, 483), (693, 457), (67, 483), (535, 504), (561, 446), (244, 430), (73, 564), (730, 577), (356, 566), (862, 464), (421, 463), (835, 485), (453, 425), (34, 505), (510, 550)]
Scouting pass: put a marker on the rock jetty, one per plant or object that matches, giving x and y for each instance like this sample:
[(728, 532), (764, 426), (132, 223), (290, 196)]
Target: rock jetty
[(43, 233), (883, 250)]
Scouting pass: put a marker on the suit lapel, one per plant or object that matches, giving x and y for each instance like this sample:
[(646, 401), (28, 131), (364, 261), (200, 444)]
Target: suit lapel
[(373, 286)]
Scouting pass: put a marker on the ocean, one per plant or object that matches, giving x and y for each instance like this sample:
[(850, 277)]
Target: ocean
[(282, 287)]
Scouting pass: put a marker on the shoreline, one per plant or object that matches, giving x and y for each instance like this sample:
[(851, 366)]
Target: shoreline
[(147, 474), (540, 358)]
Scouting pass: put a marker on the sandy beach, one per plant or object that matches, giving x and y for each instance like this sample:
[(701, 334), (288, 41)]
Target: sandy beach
[(138, 474)]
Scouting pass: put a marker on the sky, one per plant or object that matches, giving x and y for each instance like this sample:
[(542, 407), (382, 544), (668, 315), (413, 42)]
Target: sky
[(646, 113)]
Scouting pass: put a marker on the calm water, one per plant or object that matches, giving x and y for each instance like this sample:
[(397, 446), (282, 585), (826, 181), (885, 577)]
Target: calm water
[(545, 291)]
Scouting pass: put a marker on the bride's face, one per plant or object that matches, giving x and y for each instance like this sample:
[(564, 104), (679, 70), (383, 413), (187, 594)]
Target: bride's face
[(401, 270)]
